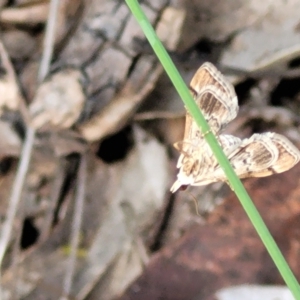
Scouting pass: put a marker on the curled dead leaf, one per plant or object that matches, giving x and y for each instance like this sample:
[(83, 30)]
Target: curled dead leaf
[(59, 99), (10, 141), (28, 14), (9, 89)]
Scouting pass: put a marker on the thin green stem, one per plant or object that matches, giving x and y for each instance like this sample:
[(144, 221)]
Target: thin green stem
[(233, 180)]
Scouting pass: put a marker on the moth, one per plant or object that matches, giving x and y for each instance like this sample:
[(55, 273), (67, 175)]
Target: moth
[(258, 156)]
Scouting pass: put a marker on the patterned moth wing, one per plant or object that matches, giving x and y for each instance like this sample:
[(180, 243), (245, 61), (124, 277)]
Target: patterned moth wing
[(259, 156), (215, 97), (287, 157), (252, 156), (197, 166)]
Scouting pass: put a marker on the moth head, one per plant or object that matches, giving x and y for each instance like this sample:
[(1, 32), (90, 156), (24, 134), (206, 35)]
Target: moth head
[(177, 185), (189, 167), (182, 182)]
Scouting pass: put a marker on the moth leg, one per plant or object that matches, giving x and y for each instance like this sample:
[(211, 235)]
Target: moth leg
[(206, 133)]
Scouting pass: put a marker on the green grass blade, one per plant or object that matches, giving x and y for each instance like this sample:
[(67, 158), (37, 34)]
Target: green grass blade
[(234, 181)]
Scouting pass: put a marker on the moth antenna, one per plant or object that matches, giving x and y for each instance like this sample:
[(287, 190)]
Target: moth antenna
[(196, 203)]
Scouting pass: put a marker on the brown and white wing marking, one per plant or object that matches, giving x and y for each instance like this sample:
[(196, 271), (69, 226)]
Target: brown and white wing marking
[(193, 168), (229, 143), (251, 156), (193, 162), (216, 98), (288, 156), (197, 164), (260, 155), (254, 156)]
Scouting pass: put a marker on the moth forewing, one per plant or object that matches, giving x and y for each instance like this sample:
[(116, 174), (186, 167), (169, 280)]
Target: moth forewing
[(209, 75), (229, 143), (254, 155), (215, 108), (289, 155), (191, 129), (214, 95)]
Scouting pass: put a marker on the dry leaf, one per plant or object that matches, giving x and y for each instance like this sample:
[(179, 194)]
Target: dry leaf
[(10, 141), (9, 89), (29, 14), (59, 99)]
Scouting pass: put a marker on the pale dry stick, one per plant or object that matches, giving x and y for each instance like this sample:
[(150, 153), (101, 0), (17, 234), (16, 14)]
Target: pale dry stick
[(76, 225), (153, 115), (48, 41), (18, 185)]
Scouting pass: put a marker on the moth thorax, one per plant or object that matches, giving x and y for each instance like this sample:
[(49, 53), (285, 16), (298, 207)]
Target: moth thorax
[(196, 167), (190, 166), (187, 165)]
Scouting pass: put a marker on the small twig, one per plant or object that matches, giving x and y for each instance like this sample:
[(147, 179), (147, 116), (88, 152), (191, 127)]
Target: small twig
[(153, 115), (25, 158), (16, 192), (48, 41), (76, 225)]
